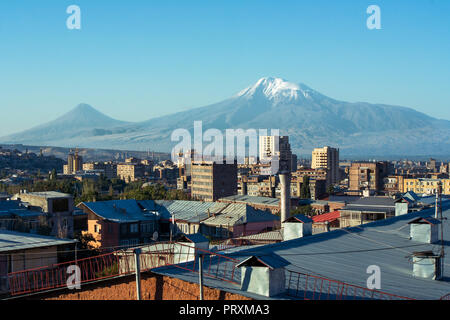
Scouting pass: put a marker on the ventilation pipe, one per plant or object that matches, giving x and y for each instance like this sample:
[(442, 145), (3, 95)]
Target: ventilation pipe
[(285, 181)]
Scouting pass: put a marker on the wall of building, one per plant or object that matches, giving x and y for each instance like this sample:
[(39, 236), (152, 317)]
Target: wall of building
[(153, 287)]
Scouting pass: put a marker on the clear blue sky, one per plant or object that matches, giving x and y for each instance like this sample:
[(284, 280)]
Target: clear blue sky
[(134, 60)]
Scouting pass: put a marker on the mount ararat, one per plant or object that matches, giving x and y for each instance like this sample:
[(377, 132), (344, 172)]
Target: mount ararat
[(309, 118)]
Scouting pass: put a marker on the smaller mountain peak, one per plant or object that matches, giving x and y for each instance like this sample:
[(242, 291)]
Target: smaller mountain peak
[(84, 107)]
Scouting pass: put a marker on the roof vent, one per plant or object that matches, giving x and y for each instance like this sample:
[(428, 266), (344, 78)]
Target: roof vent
[(263, 275), (424, 229), (296, 227), (427, 265)]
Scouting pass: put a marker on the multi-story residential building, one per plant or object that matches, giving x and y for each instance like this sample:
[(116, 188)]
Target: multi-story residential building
[(258, 186), (432, 165), (327, 158), (211, 181), (394, 184), (166, 170), (130, 172), (313, 174), (317, 187), (426, 186), (74, 163), (109, 168), (367, 175)]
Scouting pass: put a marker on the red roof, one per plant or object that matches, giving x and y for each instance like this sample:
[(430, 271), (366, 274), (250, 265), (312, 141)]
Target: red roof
[(331, 216)]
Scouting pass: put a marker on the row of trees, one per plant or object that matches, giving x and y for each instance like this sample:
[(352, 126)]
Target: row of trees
[(101, 189)]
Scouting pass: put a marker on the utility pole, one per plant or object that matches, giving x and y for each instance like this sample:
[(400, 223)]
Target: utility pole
[(137, 263), (439, 204), (200, 274)]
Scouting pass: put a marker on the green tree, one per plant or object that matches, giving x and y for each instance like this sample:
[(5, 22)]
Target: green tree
[(305, 192), (306, 210), (330, 189)]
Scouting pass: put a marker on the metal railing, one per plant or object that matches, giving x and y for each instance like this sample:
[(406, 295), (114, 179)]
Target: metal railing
[(121, 263), (184, 257), (311, 287)]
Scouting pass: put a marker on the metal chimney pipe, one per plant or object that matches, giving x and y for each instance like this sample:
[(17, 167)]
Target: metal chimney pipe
[(285, 181)]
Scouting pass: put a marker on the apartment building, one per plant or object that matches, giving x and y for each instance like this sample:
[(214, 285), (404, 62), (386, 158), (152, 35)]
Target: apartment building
[(367, 175), (74, 163), (327, 158), (211, 181), (109, 168), (426, 186), (130, 172)]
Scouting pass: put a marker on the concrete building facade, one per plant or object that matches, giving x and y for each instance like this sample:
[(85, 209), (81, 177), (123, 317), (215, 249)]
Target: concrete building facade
[(211, 180), (327, 158)]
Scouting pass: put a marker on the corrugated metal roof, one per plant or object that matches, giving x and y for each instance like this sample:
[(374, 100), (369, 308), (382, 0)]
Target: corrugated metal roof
[(345, 255), (190, 211), (48, 194), (330, 216), (124, 210), (367, 209), (18, 208), (13, 241), (240, 213), (253, 200), (274, 235)]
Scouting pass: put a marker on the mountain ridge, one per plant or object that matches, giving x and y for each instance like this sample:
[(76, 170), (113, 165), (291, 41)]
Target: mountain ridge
[(310, 118)]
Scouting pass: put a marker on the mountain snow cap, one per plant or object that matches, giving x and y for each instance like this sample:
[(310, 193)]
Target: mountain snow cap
[(276, 90)]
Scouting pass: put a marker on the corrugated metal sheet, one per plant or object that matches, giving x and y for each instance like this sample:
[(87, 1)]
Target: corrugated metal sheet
[(253, 200), (239, 213), (123, 210), (12, 241)]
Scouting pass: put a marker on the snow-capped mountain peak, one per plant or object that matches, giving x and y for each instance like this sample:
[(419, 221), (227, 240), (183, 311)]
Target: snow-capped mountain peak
[(276, 90)]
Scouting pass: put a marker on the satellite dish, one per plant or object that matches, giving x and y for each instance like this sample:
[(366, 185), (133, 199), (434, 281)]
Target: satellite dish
[(155, 236)]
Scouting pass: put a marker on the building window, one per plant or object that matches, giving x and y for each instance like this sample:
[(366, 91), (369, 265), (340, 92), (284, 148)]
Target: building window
[(134, 228)]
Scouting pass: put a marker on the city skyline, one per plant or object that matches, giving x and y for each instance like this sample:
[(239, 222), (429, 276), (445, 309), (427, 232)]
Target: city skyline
[(146, 60)]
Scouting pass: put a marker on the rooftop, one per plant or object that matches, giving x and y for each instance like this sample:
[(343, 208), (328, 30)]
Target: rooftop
[(253, 200), (13, 241), (48, 194), (345, 254), (240, 213), (123, 210)]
